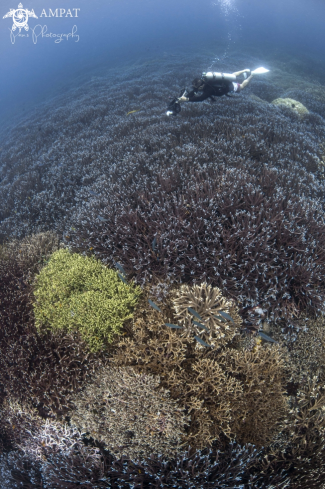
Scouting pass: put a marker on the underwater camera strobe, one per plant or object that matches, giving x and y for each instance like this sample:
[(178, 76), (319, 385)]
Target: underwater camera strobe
[(174, 107)]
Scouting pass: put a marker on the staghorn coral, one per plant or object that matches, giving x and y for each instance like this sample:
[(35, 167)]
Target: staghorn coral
[(207, 301), (18, 424), (32, 251), (211, 396), (46, 453), (44, 181), (264, 403), (306, 442), (223, 468), (19, 261), (76, 163), (129, 414), (299, 449), (76, 293), (250, 232), (42, 370), (5, 474), (230, 391), (306, 349), (193, 380), (48, 174)]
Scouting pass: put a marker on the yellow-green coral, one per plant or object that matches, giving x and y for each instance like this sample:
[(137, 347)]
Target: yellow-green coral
[(74, 292)]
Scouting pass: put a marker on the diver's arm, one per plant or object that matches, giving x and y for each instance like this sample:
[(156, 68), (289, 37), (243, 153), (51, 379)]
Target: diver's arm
[(198, 98), (195, 97), (237, 73)]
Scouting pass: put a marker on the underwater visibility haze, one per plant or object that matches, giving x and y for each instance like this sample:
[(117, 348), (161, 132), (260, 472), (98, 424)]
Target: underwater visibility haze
[(162, 244)]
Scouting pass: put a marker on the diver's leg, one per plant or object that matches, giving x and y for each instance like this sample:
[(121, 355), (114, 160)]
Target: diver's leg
[(246, 82)]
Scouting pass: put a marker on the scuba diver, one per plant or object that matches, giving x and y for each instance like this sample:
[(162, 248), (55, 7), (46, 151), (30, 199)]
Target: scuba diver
[(213, 84)]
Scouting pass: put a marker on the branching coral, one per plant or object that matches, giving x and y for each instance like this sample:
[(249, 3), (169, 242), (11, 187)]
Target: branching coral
[(130, 414), (225, 469), (19, 261), (225, 390), (307, 352), (43, 182), (43, 370), (77, 293), (264, 403), (299, 449), (208, 469), (47, 453), (211, 396), (232, 201), (192, 379), (250, 232), (207, 301)]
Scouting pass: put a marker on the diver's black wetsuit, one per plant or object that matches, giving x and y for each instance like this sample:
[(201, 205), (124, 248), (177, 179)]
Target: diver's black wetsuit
[(222, 88)]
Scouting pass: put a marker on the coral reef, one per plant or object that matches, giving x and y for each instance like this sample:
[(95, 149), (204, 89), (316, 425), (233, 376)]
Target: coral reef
[(229, 194), (250, 232), (129, 414), (307, 352), (225, 391), (207, 301), (86, 161), (291, 104), (305, 345), (76, 293), (43, 370), (19, 261), (298, 450), (264, 403), (48, 454)]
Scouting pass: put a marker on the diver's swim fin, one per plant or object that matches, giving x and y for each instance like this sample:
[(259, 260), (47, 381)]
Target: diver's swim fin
[(259, 71)]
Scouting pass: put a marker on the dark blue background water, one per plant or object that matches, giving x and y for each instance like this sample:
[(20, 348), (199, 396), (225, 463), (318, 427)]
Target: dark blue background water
[(119, 31)]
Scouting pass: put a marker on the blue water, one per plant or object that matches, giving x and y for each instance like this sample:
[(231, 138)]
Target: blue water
[(119, 32)]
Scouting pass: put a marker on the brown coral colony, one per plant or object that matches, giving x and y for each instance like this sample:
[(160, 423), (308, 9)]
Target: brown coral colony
[(216, 377)]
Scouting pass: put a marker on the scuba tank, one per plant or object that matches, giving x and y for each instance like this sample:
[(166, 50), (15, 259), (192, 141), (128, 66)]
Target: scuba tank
[(217, 77)]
